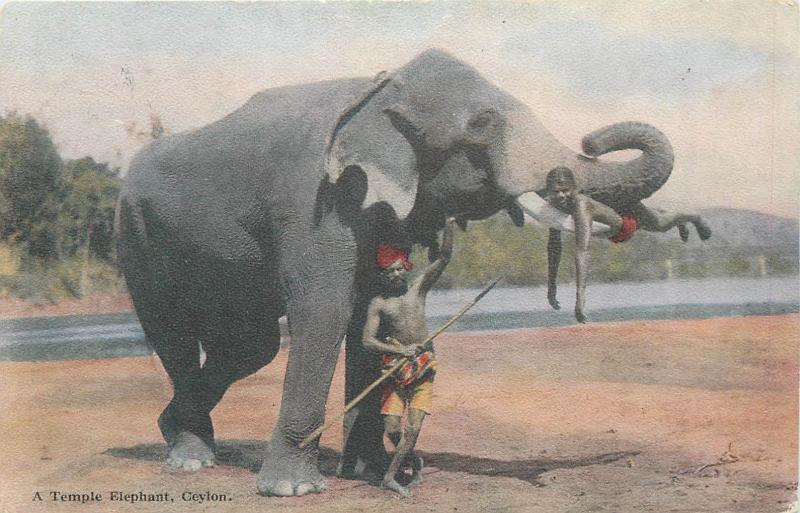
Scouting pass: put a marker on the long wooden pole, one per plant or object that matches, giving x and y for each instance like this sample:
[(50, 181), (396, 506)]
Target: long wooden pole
[(317, 432)]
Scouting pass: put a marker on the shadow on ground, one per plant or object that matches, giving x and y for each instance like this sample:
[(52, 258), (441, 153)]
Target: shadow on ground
[(527, 470), (248, 454)]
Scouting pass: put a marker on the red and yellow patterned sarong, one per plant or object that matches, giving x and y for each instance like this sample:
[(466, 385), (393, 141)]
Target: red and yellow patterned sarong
[(411, 384), (413, 369)]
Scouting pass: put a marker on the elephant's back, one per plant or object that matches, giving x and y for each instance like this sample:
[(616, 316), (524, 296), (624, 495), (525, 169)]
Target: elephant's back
[(274, 142), (264, 157)]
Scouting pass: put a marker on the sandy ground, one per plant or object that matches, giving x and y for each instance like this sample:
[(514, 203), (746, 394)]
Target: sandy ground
[(620, 417)]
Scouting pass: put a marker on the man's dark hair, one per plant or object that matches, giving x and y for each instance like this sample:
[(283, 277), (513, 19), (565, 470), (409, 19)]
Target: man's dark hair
[(558, 175)]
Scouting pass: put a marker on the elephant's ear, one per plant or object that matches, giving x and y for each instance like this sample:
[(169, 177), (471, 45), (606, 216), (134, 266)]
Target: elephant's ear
[(365, 139)]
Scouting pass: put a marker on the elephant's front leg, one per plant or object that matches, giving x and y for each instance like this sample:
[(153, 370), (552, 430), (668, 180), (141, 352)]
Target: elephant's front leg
[(318, 319)]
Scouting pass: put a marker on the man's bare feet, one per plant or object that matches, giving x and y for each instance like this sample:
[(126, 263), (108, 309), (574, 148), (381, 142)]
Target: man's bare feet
[(391, 484)]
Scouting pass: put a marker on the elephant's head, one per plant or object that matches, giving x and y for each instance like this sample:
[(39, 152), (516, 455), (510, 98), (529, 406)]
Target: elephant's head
[(435, 139)]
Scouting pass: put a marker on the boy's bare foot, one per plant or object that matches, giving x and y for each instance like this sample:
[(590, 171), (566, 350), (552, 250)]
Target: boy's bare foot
[(391, 484), (703, 230), (683, 231)]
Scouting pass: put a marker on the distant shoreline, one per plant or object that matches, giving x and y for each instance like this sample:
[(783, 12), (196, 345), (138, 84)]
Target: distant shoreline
[(746, 290), (96, 304)]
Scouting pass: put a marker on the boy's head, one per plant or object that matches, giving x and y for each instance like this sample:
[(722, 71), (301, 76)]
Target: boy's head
[(394, 265), (561, 187)]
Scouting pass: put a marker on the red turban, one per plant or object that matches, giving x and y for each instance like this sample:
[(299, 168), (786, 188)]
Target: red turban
[(387, 255), (629, 225)]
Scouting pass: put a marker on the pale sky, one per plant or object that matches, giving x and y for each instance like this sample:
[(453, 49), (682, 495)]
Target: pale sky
[(719, 78)]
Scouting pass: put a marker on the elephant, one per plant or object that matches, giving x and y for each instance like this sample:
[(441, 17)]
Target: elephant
[(277, 208)]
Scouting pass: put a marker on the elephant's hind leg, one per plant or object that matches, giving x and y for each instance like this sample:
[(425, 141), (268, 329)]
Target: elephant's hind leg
[(658, 220), (186, 428), (155, 282), (235, 348)]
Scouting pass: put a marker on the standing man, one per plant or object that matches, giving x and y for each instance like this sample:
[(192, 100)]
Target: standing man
[(396, 327)]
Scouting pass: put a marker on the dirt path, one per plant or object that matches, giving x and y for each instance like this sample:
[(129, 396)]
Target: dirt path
[(616, 417)]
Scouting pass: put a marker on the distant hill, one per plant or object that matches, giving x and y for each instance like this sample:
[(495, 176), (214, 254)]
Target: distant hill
[(744, 232), (743, 243)]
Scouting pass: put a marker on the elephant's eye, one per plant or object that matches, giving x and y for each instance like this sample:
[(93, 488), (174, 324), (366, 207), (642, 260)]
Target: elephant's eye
[(483, 128)]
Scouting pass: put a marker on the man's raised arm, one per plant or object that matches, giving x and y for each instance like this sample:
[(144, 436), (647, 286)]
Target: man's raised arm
[(435, 270)]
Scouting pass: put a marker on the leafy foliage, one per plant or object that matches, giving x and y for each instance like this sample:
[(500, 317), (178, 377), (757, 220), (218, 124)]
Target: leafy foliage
[(56, 218), (85, 219), (29, 170), (495, 246)]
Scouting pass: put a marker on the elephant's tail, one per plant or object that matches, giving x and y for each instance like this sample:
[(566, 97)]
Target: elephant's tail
[(624, 183), (129, 231)]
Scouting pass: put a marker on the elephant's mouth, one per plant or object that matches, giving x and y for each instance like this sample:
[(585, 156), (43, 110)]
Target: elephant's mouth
[(423, 228)]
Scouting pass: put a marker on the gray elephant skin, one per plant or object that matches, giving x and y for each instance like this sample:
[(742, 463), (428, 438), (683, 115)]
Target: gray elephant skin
[(276, 210)]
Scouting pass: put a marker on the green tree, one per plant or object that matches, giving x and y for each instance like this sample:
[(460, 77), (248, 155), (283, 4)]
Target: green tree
[(29, 168), (85, 222), (737, 265), (778, 264), (87, 195)]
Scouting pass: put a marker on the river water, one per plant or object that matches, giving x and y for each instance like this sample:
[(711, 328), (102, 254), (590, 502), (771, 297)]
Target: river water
[(104, 336)]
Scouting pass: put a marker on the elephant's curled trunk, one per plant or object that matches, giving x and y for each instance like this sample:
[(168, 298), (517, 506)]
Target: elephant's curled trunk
[(623, 184)]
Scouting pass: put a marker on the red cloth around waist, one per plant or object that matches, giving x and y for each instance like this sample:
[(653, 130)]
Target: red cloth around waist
[(413, 369), (629, 225)]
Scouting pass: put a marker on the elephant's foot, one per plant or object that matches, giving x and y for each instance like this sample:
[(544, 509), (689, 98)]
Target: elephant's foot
[(190, 453), (287, 473), (173, 424), (361, 471), (364, 457)]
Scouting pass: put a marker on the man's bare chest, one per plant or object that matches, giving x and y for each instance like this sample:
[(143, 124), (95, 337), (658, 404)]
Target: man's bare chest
[(403, 315)]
